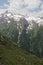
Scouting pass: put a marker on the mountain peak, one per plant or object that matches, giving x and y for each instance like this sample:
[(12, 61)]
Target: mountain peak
[(16, 17)]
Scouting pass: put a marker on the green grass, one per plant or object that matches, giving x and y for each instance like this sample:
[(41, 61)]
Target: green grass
[(11, 54)]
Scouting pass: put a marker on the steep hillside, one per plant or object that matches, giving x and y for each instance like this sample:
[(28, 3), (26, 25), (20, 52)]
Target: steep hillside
[(11, 54)]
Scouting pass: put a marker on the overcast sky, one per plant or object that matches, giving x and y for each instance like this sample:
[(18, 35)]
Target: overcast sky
[(23, 7)]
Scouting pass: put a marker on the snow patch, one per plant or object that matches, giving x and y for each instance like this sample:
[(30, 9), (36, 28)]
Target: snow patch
[(17, 17), (8, 21)]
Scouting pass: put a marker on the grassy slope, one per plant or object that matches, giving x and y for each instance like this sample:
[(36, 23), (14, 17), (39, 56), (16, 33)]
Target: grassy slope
[(10, 54)]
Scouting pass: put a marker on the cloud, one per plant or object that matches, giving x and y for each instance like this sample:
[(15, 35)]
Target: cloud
[(25, 7), (42, 6), (19, 4), (32, 4), (2, 10)]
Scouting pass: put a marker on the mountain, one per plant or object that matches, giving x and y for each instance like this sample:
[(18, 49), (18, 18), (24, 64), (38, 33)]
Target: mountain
[(10, 22), (8, 16), (11, 54), (27, 33)]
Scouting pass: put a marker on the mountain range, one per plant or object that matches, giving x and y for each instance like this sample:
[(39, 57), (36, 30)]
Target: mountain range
[(26, 32)]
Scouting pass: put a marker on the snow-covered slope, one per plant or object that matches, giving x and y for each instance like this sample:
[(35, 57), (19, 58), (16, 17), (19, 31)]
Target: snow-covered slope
[(37, 20), (31, 21)]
